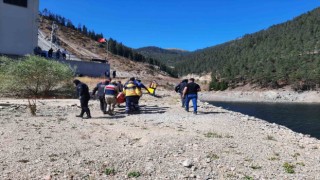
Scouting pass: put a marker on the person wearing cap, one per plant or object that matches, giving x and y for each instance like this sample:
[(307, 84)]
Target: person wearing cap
[(84, 96), (190, 92), (100, 88)]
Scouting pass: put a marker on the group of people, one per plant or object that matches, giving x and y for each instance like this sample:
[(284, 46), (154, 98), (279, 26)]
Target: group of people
[(58, 54), (114, 74), (111, 93), (38, 51), (188, 91)]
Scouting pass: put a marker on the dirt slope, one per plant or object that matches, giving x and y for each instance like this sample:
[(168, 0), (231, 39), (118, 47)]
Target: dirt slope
[(86, 48)]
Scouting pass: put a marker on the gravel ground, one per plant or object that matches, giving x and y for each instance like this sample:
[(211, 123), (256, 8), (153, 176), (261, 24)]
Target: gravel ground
[(163, 142)]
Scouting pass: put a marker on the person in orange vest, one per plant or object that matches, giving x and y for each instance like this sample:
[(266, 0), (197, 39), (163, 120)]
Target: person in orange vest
[(111, 92), (153, 85), (132, 93)]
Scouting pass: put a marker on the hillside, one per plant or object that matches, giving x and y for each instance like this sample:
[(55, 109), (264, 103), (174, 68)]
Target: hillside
[(284, 54), (168, 56), (85, 47)]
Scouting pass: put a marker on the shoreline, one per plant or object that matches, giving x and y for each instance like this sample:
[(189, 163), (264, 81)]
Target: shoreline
[(270, 96), (163, 142)]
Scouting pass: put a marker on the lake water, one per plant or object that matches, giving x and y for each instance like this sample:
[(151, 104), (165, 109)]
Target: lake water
[(302, 118)]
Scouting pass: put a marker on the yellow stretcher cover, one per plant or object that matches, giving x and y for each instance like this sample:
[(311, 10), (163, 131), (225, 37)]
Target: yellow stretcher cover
[(151, 90)]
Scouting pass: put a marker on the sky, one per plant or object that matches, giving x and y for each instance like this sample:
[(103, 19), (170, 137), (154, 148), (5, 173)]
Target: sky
[(182, 24)]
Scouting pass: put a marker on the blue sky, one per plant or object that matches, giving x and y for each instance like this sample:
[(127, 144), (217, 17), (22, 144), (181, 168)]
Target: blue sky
[(183, 24)]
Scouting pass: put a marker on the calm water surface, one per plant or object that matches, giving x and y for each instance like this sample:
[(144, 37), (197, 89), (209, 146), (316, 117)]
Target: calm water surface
[(302, 118)]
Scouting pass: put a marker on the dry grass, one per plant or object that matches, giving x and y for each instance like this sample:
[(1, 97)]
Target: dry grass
[(32, 105)]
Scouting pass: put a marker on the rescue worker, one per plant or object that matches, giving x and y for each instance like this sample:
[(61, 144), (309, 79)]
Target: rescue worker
[(84, 96), (140, 85), (111, 92), (153, 85), (132, 93), (100, 88)]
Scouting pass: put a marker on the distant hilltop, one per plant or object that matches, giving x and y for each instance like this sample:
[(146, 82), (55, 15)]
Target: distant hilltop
[(169, 55)]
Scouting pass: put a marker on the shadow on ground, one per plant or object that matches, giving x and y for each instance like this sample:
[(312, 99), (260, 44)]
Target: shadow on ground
[(144, 109), (200, 112)]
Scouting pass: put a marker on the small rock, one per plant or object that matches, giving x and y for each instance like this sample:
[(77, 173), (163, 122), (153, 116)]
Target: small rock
[(187, 163), (48, 177), (193, 168), (220, 166)]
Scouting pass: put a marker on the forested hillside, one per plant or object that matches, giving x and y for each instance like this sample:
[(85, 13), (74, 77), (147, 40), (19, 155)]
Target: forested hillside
[(283, 54), (167, 56)]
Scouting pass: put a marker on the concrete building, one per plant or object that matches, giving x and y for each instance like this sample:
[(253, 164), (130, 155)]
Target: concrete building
[(18, 26)]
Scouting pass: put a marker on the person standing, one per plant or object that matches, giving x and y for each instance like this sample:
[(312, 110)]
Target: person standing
[(179, 89), (64, 54), (107, 73), (58, 53), (120, 86), (132, 93), (190, 92), (84, 96), (111, 92), (50, 52), (100, 88), (153, 85), (114, 73)]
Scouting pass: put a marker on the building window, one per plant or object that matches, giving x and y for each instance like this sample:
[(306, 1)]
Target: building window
[(22, 3)]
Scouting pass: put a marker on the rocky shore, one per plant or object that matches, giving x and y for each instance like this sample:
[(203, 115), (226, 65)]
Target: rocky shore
[(163, 142)]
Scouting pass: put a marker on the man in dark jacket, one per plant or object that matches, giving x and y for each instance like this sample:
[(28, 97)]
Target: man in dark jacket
[(84, 96), (100, 88), (179, 89), (190, 92)]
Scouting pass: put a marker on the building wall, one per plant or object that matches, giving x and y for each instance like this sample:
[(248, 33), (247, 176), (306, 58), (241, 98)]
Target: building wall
[(87, 68), (18, 28)]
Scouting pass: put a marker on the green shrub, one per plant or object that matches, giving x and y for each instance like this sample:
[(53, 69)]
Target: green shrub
[(33, 76), (133, 174), (289, 168), (212, 135), (218, 85), (110, 171)]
